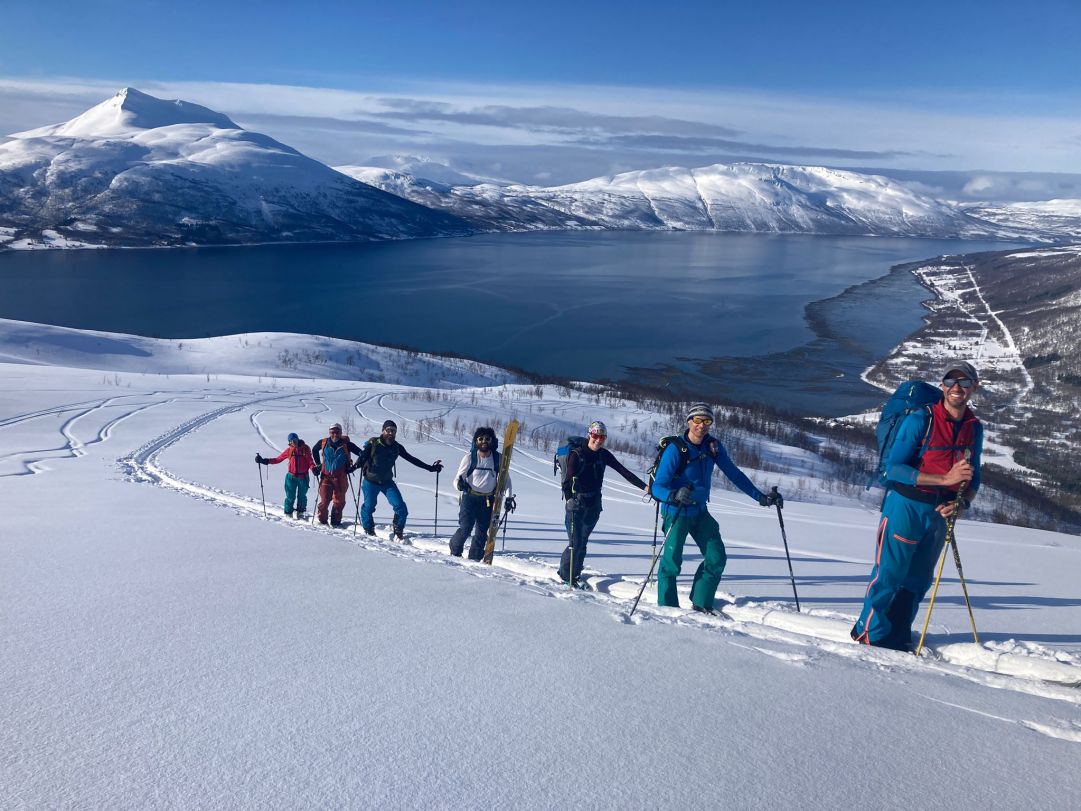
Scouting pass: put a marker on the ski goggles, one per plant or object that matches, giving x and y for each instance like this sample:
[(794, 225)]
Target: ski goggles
[(701, 420), (598, 436), (963, 382)]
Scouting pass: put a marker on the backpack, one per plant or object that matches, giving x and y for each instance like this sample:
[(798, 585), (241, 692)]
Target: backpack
[(684, 457), (560, 466), (372, 446), (911, 396), (473, 462)]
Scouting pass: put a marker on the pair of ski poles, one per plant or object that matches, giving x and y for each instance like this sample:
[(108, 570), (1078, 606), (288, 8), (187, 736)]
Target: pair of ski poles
[(656, 551), (951, 542)]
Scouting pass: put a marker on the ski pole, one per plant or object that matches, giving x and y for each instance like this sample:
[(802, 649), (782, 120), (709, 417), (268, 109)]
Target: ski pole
[(656, 554), (784, 538), (931, 604), (503, 547), (262, 494), (436, 531), (941, 565), (318, 487), (356, 503), (964, 587)]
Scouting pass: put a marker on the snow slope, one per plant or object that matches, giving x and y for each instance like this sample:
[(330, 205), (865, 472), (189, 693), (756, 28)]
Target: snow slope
[(173, 647), (1058, 218), (137, 170), (744, 197)]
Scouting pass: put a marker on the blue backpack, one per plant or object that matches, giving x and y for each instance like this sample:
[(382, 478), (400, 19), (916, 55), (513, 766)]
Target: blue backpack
[(572, 444), (911, 396)]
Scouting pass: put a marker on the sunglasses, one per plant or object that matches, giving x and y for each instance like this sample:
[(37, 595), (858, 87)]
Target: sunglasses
[(701, 420), (335, 430), (485, 439), (963, 382), (598, 436)]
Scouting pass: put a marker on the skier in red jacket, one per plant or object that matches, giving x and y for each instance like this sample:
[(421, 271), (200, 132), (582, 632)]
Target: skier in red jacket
[(296, 480)]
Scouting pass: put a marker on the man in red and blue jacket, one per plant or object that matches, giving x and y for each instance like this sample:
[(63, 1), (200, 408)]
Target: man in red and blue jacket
[(296, 480), (333, 465), (937, 450)]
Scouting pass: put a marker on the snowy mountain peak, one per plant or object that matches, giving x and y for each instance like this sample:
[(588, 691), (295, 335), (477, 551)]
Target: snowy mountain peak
[(131, 110)]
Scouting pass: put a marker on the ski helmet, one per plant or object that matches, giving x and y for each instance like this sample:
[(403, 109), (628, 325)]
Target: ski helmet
[(597, 427)]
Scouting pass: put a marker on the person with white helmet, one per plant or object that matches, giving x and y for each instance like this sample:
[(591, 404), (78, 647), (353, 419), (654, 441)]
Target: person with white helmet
[(582, 490)]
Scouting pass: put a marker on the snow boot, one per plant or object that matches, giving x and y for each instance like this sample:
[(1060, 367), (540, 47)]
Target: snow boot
[(369, 531), (701, 610)]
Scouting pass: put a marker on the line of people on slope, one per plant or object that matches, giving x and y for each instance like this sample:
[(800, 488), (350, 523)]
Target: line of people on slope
[(331, 460), (937, 450)]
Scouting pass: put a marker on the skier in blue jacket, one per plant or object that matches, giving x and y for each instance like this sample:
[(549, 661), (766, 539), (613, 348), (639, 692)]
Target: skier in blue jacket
[(682, 485), (937, 450)]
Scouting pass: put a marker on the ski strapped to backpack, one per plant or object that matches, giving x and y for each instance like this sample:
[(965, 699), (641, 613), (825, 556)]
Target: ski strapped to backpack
[(910, 397), (509, 436)]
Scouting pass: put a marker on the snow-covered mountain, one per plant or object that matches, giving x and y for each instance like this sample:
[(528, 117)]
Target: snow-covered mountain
[(745, 197), (1057, 218), (138, 170)]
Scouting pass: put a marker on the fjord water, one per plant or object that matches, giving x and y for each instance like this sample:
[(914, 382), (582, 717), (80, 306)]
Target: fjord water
[(585, 305)]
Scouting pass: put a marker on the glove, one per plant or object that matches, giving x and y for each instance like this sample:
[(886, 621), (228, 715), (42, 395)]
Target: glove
[(437, 467), (354, 466), (260, 460), (567, 493), (460, 484), (683, 496), (772, 498), (318, 471), (510, 504)]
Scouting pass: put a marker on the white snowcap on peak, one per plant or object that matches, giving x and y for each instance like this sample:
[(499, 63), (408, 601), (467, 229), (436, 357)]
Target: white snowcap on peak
[(128, 111)]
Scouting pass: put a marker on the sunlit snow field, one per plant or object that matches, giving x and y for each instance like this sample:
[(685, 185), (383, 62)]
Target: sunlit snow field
[(167, 645)]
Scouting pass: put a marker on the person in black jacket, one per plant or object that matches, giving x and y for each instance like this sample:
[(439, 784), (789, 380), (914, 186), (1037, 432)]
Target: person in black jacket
[(377, 460), (582, 490)]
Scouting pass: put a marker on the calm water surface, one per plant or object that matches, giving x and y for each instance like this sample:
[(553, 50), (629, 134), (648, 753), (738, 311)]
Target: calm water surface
[(584, 305)]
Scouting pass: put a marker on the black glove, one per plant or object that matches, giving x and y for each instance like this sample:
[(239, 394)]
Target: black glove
[(772, 498), (260, 460), (460, 484), (354, 466), (510, 504), (437, 467), (318, 471), (567, 494), (683, 496)]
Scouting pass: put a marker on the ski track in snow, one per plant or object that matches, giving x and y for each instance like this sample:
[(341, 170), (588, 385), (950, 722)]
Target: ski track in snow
[(739, 618), (772, 629)]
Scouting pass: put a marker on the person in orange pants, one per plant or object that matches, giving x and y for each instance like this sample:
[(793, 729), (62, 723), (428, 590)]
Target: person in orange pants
[(332, 464)]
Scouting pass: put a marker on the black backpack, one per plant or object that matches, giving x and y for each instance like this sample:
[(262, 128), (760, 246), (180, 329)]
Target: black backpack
[(387, 456), (684, 457)]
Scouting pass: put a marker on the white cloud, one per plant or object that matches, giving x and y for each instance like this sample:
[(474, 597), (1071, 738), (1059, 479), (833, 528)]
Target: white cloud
[(899, 131)]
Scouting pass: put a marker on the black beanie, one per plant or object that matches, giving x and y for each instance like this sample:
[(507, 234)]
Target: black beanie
[(390, 424)]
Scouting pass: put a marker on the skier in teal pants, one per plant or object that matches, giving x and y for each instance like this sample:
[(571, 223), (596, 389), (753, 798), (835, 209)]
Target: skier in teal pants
[(296, 480), (682, 484)]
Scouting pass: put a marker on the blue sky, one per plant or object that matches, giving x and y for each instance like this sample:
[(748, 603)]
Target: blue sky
[(948, 85)]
